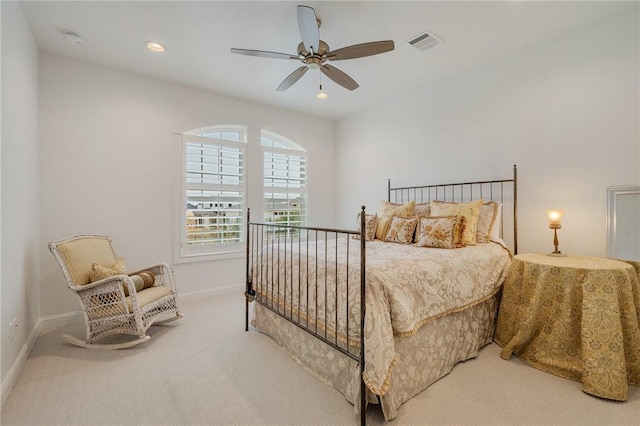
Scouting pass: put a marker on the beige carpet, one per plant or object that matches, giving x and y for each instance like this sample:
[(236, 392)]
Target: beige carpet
[(205, 370)]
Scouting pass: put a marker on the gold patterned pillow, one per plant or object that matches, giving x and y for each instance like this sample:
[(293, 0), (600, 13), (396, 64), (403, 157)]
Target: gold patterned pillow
[(371, 220), (440, 232), (387, 210), (99, 272), (401, 230), (422, 209), (141, 281), (486, 221), (470, 211)]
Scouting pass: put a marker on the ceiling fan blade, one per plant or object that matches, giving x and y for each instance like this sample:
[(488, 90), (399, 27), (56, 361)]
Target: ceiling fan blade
[(339, 77), (308, 25), (292, 78), (264, 54), (361, 50)]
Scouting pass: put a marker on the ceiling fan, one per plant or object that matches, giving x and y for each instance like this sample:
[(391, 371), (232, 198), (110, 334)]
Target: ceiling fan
[(314, 53)]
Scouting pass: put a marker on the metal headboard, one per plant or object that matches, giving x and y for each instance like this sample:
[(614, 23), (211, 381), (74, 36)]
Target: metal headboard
[(488, 190)]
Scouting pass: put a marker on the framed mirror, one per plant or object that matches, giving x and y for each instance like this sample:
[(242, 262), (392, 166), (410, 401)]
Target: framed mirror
[(623, 222)]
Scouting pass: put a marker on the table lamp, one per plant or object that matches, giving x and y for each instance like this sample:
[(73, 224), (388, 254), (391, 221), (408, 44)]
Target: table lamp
[(554, 223)]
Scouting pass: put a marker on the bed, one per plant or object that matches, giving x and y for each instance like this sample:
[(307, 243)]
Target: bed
[(422, 296)]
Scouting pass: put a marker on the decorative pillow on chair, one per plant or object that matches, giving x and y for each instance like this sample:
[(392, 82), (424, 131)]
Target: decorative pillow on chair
[(440, 232), (386, 211), (470, 211), (401, 230), (371, 221), (99, 272), (141, 280)]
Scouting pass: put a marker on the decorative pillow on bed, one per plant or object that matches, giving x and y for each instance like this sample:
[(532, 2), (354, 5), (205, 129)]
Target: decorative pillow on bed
[(470, 211), (401, 230), (486, 221), (440, 231), (494, 235), (422, 209), (371, 220), (387, 210)]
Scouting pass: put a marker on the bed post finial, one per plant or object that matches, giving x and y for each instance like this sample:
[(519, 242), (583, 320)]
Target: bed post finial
[(363, 222)]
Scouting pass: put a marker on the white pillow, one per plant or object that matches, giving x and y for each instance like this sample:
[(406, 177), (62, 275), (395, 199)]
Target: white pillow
[(486, 221), (495, 231)]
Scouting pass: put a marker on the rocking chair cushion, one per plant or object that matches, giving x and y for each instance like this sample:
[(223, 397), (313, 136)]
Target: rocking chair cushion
[(148, 295), (80, 254)]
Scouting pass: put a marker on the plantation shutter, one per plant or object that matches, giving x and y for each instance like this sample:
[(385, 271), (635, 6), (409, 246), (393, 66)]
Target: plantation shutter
[(285, 186), (215, 191)]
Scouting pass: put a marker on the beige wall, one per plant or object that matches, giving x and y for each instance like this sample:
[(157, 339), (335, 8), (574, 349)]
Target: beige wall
[(111, 165), (565, 111), (19, 264)]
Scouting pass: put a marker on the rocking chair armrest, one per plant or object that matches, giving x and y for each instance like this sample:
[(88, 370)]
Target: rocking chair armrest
[(163, 272), (113, 282)]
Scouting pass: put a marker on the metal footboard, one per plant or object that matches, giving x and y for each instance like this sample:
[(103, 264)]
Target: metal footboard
[(293, 271)]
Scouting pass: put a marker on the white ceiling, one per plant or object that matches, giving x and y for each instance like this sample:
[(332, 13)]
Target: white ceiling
[(199, 35)]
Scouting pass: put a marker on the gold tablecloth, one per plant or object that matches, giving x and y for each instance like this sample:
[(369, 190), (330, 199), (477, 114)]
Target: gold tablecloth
[(576, 317)]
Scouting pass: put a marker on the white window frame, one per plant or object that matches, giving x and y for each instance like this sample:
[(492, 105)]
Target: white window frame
[(185, 252)]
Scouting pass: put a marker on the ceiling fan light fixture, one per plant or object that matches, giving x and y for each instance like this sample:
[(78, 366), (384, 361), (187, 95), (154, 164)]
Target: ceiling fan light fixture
[(155, 46), (313, 62), (322, 94)]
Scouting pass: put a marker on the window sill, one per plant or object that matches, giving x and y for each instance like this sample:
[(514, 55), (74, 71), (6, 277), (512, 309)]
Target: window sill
[(209, 257)]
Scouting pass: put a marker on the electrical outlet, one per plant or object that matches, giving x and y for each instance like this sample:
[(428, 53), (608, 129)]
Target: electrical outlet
[(12, 330)]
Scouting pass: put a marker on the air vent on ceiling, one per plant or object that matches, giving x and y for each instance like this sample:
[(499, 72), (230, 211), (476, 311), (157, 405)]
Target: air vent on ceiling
[(424, 41)]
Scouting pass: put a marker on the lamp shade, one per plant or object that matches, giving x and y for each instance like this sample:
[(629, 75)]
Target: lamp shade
[(555, 216)]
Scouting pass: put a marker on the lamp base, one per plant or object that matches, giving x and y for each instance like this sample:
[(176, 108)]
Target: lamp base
[(557, 254)]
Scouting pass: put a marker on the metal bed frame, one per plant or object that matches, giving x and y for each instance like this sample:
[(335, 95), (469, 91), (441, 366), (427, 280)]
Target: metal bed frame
[(270, 243)]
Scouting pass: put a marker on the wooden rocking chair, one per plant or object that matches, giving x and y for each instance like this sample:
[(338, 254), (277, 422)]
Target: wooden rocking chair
[(114, 301)]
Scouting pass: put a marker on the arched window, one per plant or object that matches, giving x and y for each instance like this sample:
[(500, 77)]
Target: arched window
[(284, 180)]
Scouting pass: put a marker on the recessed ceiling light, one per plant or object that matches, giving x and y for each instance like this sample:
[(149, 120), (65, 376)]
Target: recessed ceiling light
[(154, 46), (72, 37)]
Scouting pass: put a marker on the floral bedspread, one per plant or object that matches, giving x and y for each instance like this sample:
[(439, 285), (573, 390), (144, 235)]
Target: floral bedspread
[(406, 287)]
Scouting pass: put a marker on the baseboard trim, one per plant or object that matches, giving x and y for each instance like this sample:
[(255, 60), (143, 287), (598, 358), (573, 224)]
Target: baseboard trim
[(210, 292), (54, 322), (16, 368)]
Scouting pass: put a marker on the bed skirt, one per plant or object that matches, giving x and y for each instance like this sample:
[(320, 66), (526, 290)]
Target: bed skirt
[(421, 359)]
